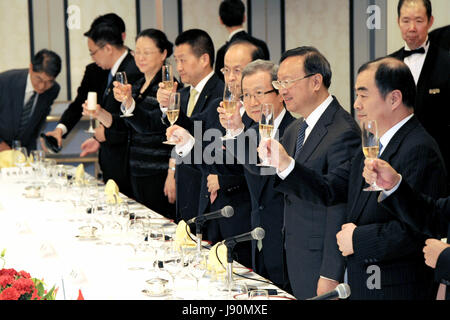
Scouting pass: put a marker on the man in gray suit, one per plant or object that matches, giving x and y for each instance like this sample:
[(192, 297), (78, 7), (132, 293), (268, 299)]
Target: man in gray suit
[(26, 97)]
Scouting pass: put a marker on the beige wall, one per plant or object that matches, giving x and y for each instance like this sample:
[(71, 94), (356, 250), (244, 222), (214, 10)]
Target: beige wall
[(441, 13), (323, 24), (79, 54), (14, 35)]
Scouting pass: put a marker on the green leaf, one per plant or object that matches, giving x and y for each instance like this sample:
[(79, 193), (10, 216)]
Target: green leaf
[(2, 254)]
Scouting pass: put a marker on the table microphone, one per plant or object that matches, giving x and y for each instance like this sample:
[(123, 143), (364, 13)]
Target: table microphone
[(225, 212), (257, 234), (342, 291)]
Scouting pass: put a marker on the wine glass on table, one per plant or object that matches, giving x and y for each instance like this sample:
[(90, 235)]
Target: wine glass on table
[(266, 126), (20, 160), (370, 145), (173, 111), (121, 78), (230, 102), (91, 106)]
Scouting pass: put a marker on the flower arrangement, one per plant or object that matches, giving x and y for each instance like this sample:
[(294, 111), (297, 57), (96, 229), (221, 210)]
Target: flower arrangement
[(20, 286)]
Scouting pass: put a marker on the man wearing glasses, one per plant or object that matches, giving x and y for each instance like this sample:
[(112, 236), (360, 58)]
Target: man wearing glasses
[(324, 138), (26, 97)]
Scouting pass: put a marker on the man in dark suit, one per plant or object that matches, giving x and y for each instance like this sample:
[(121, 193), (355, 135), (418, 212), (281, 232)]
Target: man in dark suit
[(194, 57), (384, 258), (421, 213), (94, 79), (430, 66), (26, 97), (232, 16), (332, 137), (105, 43)]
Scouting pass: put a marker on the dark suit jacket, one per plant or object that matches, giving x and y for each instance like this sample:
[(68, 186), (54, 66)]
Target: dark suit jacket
[(12, 95), (441, 36), (381, 239), (310, 229), (425, 216), (188, 177), (238, 36), (267, 212), (433, 96)]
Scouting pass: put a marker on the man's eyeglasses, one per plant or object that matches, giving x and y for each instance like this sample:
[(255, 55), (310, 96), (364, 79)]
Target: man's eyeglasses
[(258, 95), (286, 84), (227, 71), (93, 53)]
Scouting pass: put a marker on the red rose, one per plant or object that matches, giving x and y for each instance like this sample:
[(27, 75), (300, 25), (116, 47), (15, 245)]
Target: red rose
[(9, 294), (6, 280), (23, 286)]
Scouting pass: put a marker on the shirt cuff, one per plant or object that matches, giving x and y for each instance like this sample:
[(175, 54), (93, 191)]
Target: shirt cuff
[(186, 148), (62, 127), (283, 174), (163, 111), (384, 194), (128, 111)]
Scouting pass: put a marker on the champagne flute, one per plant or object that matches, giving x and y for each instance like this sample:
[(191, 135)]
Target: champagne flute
[(173, 110), (167, 77), (121, 78), (230, 102), (36, 160), (266, 127), (20, 160), (91, 106), (370, 146)]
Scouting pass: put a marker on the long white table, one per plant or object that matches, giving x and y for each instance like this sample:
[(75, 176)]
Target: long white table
[(40, 237)]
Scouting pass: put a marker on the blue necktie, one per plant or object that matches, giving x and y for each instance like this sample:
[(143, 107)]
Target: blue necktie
[(300, 138), (380, 147), (110, 76), (26, 113)]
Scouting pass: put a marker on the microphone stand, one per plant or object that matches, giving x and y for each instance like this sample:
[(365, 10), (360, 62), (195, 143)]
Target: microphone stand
[(230, 246)]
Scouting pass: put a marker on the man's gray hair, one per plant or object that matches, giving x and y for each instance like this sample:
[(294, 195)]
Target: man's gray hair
[(261, 65)]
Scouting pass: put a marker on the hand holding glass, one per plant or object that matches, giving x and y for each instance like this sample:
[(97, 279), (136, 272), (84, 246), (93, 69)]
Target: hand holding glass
[(173, 111), (266, 126), (370, 145), (230, 102)]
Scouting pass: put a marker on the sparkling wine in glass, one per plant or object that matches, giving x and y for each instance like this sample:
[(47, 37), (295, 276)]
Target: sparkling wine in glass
[(230, 102), (121, 78), (92, 106), (266, 126), (167, 77), (370, 145), (173, 111)]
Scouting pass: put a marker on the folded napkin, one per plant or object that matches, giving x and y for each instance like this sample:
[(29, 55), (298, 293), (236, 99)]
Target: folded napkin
[(79, 173), (217, 259), (112, 192), (7, 158), (183, 235)]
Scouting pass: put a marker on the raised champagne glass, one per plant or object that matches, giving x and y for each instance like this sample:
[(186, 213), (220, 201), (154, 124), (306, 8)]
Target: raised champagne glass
[(266, 127), (370, 145), (230, 102), (173, 111), (121, 78)]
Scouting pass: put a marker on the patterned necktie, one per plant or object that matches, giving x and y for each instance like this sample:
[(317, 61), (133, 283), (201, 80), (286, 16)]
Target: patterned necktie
[(26, 113), (300, 138), (105, 94), (191, 103)]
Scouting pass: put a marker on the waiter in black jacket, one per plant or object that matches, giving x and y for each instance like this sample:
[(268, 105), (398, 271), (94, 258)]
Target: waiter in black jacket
[(429, 63)]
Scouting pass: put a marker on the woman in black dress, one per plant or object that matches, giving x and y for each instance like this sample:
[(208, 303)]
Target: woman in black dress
[(151, 176)]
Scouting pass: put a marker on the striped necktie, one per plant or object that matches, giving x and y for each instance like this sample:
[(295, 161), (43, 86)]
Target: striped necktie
[(26, 113), (191, 103), (300, 138)]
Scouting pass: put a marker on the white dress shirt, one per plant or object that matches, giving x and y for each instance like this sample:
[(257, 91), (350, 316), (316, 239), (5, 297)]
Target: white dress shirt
[(415, 61)]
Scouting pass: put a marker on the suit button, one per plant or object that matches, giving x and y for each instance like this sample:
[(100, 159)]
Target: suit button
[(261, 208), (206, 196)]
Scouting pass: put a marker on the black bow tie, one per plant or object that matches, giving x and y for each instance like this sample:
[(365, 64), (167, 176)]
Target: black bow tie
[(407, 53)]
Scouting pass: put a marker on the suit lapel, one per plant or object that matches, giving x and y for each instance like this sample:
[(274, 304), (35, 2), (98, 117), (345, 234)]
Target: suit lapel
[(204, 95), (319, 131)]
